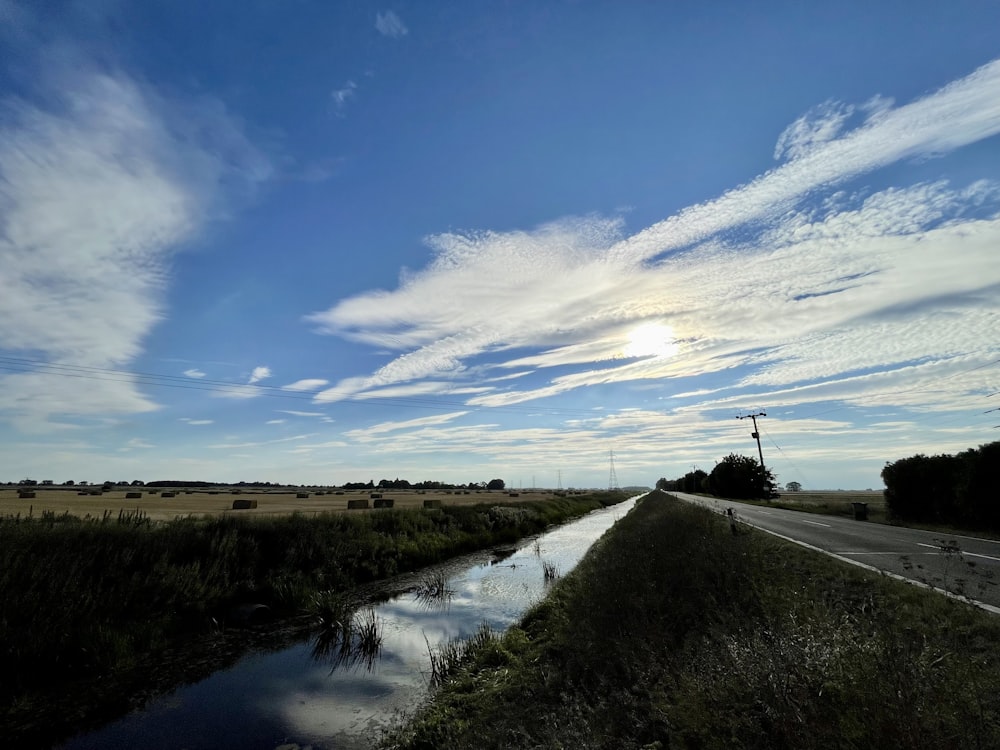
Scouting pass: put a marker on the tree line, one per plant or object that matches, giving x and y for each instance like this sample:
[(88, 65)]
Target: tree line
[(737, 477), (961, 489), (403, 484)]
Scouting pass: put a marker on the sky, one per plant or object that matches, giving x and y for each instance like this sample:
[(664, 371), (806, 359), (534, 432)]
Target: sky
[(565, 244)]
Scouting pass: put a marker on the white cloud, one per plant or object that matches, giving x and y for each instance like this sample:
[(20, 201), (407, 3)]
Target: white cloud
[(188, 420), (194, 373), (259, 443), (295, 413), (258, 374), (813, 129), (390, 25), (101, 181), (342, 95), (856, 281), (308, 384), (409, 424), (276, 421), (135, 443)]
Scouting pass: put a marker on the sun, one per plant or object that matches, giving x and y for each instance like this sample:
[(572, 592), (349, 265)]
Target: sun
[(651, 340)]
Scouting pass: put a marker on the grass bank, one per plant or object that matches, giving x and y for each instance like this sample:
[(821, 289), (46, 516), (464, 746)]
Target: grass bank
[(86, 599), (675, 632)]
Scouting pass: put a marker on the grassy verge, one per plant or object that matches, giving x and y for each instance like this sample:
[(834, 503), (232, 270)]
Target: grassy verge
[(82, 600), (675, 632)]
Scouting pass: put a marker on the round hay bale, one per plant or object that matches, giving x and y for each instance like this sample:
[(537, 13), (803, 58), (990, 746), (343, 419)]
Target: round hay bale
[(361, 504), (244, 503), (133, 495), (301, 495), (385, 502)]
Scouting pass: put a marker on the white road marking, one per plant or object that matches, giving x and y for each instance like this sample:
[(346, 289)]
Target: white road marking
[(976, 554), (814, 523), (960, 551)]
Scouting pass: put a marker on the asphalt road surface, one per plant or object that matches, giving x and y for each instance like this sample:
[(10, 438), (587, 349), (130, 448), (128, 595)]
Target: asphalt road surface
[(964, 566)]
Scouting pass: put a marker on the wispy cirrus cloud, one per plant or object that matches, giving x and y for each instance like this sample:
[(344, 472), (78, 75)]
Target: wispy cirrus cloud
[(307, 384), (258, 374), (391, 25), (102, 180), (190, 421), (829, 282), (343, 95), (194, 373)]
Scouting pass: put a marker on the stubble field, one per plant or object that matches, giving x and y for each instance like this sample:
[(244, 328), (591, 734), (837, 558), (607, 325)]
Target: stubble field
[(219, 502)]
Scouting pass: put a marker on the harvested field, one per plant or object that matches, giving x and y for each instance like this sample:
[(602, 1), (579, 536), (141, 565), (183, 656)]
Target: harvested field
[(830, 502), (161, 507)]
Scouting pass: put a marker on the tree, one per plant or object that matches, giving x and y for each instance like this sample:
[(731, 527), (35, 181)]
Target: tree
[(664, 484), (793, 486), (740, 478), (495, 484)]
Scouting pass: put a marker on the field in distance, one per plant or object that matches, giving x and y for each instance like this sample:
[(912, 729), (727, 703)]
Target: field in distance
[(216, 502)]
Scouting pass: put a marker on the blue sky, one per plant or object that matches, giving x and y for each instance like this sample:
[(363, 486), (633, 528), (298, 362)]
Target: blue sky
[(318, 242)]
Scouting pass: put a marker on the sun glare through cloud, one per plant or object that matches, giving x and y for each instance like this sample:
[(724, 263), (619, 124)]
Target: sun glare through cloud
[(651, 340), (815, 234)]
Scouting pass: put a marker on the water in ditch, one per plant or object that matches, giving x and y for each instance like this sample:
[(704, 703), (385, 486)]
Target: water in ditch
[(290, 699)]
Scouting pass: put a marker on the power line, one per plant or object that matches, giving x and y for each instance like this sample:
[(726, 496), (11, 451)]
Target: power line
[(28, 366)]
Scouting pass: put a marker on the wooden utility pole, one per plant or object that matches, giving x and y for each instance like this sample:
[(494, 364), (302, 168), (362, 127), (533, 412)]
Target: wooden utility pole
[(756, 436)]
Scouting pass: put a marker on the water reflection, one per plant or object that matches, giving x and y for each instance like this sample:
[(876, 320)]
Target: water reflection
[(349, 640), (434, 591), (332, 691)]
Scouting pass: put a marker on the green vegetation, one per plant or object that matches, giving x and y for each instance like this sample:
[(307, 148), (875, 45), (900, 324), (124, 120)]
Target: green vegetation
[(960, 489), (676, 632), (735, 476), (84, 599)]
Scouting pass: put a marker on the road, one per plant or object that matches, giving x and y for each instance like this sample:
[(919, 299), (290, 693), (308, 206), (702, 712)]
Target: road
[(962, 566)]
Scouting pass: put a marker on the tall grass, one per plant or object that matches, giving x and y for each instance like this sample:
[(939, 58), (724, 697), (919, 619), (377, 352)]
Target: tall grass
[(674, 632), (83, 598), (347, 635)]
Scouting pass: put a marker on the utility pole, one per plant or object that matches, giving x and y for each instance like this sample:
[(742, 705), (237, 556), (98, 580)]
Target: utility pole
[(756, 436), (612, 475)]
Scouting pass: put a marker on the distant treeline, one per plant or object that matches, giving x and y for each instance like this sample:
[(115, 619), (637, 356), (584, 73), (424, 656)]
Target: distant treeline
[(735, 476), (963, 489), (403, 484), (383, 484)]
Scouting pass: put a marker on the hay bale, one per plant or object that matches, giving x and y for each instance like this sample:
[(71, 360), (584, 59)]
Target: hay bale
[(234, 492), (361, 504), (84, 492), (25, 494), (384, 502), (301, 495), (513, 494), (168, 494), (133, 495), (338, 493), (244, 503), (375, 495), (432, 503), (95, 493)]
